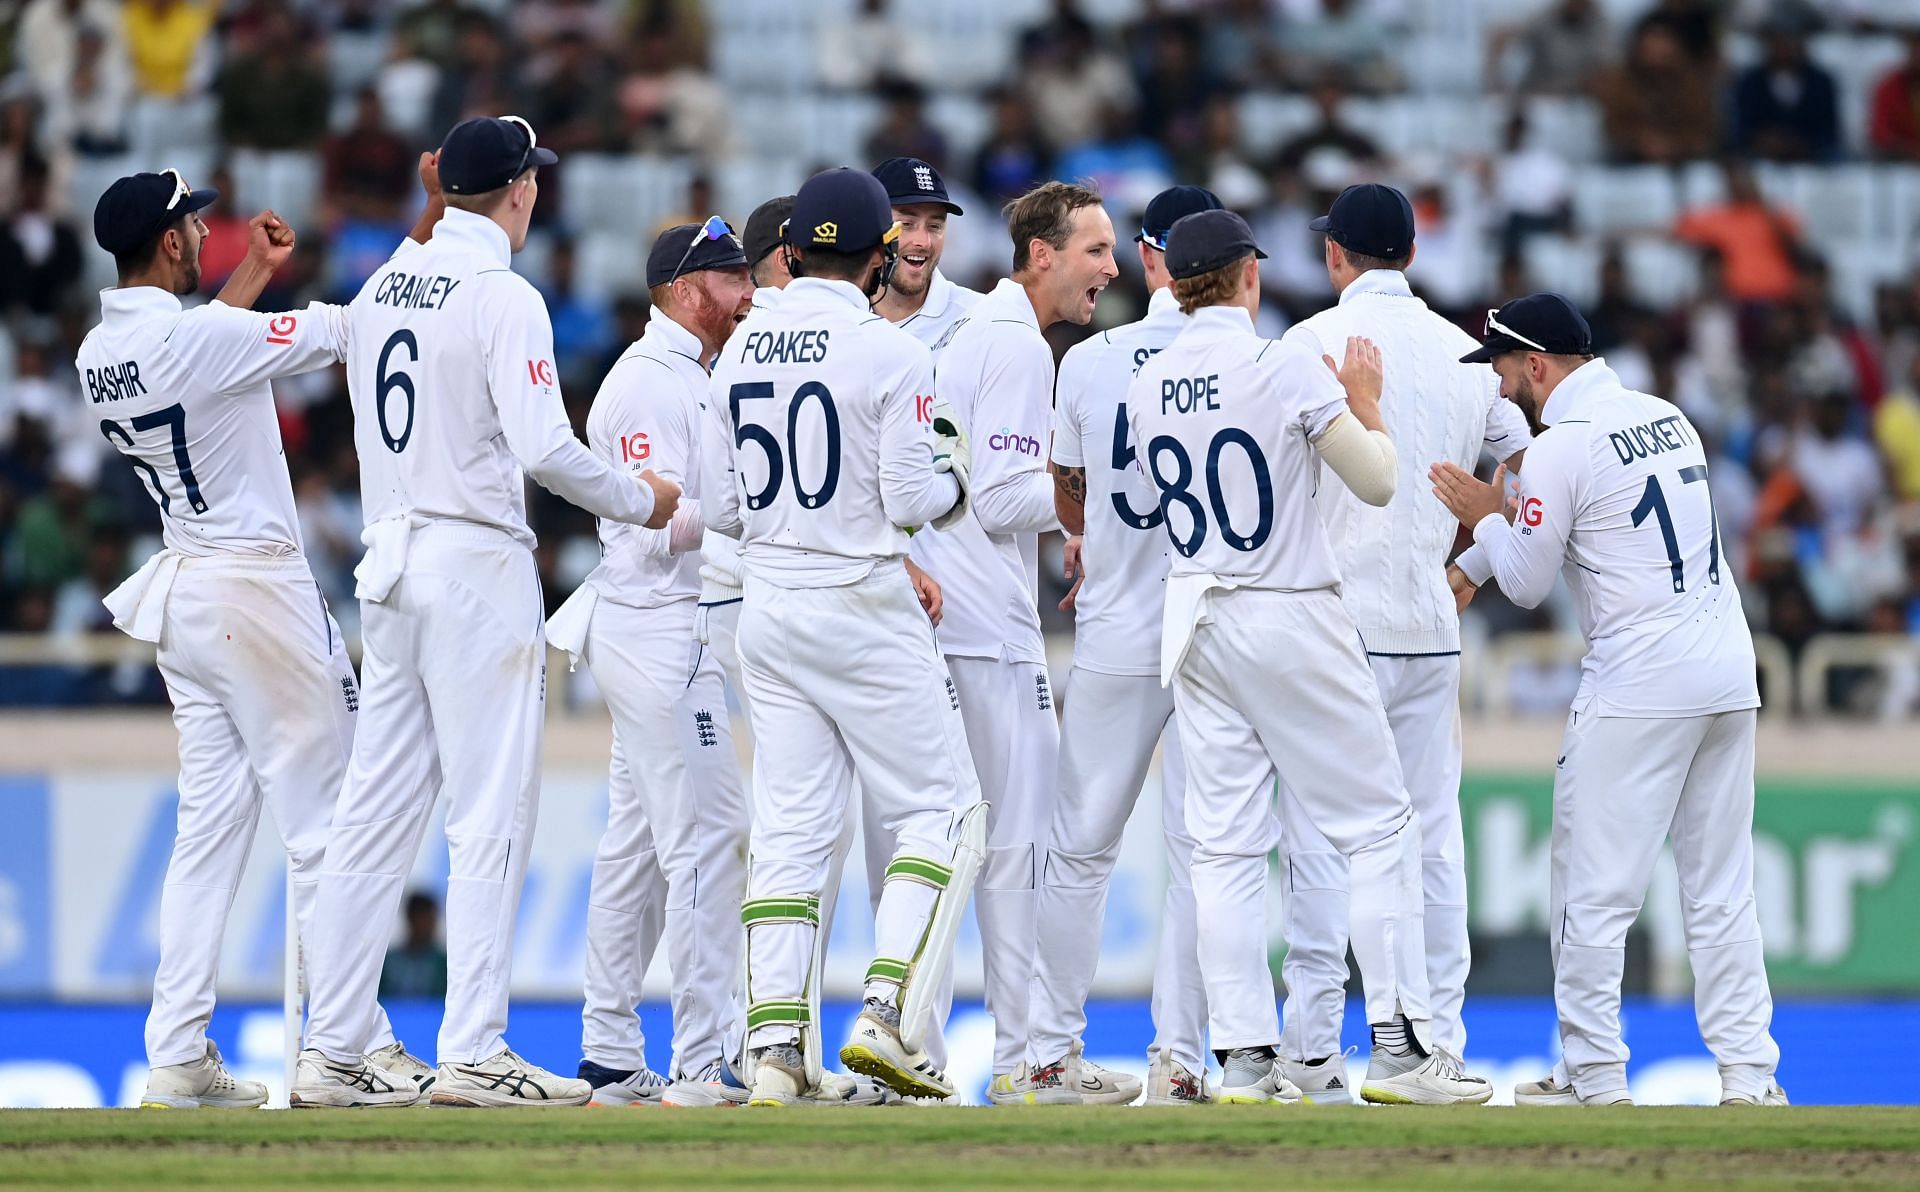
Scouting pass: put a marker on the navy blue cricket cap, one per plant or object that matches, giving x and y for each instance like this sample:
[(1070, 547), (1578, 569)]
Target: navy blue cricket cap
[(689, 248), (487, 152), (138, 207), (910, 181), (765, 227), (1548, 323), (843, 209), (1370, 219), (1208, 240), (1166, 208)]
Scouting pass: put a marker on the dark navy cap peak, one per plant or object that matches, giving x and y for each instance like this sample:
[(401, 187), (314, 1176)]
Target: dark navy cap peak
[(1208, 240), (910, 181), (1371, 219), (689, 248), (765, 227), (843, 209), (1547, 322), (1166, 208), (136, 208), (487, 152)]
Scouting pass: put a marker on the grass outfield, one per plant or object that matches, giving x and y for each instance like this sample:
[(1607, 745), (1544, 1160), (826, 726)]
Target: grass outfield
[(912, 1149)]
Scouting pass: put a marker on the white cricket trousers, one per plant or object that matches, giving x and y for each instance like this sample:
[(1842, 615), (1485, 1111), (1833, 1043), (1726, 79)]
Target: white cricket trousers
[(264, 701), (669, 705), (1275, 682), (453, 671), (1014, 737), (626, 919), (1422, 698), (843, 680), (1624, 786), (1109, 726)]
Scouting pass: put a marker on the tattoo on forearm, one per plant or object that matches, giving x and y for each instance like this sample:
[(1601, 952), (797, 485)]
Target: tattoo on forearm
[(1070, 483)]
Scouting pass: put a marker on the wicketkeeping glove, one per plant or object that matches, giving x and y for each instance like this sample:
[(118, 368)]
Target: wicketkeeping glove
[(953, 455)]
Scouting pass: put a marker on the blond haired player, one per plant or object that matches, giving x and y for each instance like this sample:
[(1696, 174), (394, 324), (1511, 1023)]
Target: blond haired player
[(996, 370)]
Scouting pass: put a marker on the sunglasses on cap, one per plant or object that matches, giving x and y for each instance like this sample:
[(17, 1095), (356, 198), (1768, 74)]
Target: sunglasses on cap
[(1494, 324), (533, 142), (181, 191), (713, 229)]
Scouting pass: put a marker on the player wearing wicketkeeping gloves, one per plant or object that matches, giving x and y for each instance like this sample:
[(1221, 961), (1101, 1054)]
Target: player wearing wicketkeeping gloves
[(1392, 561), (822, 459), (995, 369), (1659, 742), (633, 621), (263, 693), (1267, 671), (1115, 712), (450, 368)]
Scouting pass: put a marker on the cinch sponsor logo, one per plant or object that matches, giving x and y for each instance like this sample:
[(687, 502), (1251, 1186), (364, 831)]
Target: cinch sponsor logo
[(1005, 440)]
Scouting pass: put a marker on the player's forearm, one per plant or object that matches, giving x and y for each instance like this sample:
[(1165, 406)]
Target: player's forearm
[(1514, 562), (1021, 503), (248, 282), (1363, 457), (914, 497), (569, 471), (1069, 497)]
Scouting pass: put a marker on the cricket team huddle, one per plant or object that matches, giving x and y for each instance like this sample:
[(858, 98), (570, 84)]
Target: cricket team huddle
[(821, 477)]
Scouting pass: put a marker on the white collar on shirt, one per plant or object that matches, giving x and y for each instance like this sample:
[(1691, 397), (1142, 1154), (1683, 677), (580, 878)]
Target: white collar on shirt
[(1377, 281), (1162, 301), (477, 233), (1213, 319), (939, 297), (665, 336), (1012, 299), (137, 302), (824, 289), (1582, 384), (766, 297)]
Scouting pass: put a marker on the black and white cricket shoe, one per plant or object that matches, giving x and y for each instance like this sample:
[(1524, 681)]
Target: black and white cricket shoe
[(505, 1081), (320, 1083)]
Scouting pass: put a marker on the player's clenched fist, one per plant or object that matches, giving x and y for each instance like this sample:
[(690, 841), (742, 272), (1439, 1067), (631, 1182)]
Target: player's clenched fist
[(269, 239), (666, 498)]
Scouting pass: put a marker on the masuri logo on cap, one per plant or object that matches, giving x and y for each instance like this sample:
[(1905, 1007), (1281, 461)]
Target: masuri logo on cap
[(826, 233)]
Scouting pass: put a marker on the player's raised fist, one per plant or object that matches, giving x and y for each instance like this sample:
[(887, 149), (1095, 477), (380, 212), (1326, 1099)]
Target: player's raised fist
[(269, 239), (666, 498)]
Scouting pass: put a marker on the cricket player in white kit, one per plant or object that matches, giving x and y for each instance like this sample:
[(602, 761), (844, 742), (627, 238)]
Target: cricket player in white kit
[(919, 299), (263, 694), (1267, 670), (450, 368), (1115, 713), (1392, 561), (996, 371), (822, 459), (1659, 742), (633, 621)]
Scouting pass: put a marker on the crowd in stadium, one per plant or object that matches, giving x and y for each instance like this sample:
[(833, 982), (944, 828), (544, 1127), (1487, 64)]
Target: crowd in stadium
[(1731, 189)]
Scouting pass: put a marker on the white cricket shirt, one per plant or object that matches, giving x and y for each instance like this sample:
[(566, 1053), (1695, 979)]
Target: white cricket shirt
[(946, 305), (1224, 420), (1393, 558), (185, 395), (1614, 496), (1123, 550), (996, 370), (649, 413), (820, 448), (451, 373), (720, 574)]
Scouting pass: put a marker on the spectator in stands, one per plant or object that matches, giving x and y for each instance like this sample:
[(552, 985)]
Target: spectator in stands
[(46, 40), (77, 606), (1173, 87), (274, 95), (368, 160), (1013, 157), (572, 97), (904, 129), (1615, 315), (582, 326), (1896, 431), (1125, 165), (1758, 242), (1712, 323), (1837, 468), (482, 79), (48, 545), (1785, 108), (434, 29), (1893, 124), (1553, 52), (169, 45), (1532, 186), (1331, 134), (1345, 39), (1242, 43), (89, 115), (872, 48), (1071, 79), (1660, 106), (539, 23), (225, 244), (407, 81), (1219, 160), (669, 105), (20, 142), (417, 967), (39, 253)]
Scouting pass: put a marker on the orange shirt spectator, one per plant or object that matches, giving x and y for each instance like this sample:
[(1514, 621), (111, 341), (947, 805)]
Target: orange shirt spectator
[(164, 39), (1757, 242), (1893, 122)]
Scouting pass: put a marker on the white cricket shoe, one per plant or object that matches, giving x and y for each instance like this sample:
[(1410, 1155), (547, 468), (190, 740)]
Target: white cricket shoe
[(1075, 1080), (395, 1058), (1550, 1093), (838, 1088), (1010, 1088), (623, 1086), (1252, 1076), (505, 1081), (713, 1087), (875, 1048), (1774, 1096), (1437, 1079), (319, 1083), (779, 1077), (204, 1083), (1323, 1083), (1170, 1083)]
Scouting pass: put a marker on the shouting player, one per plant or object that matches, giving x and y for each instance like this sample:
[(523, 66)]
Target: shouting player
[(1268, 673), (1115, 713), (1659, 742), (996, 371), (450, 368), (919, 298)]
